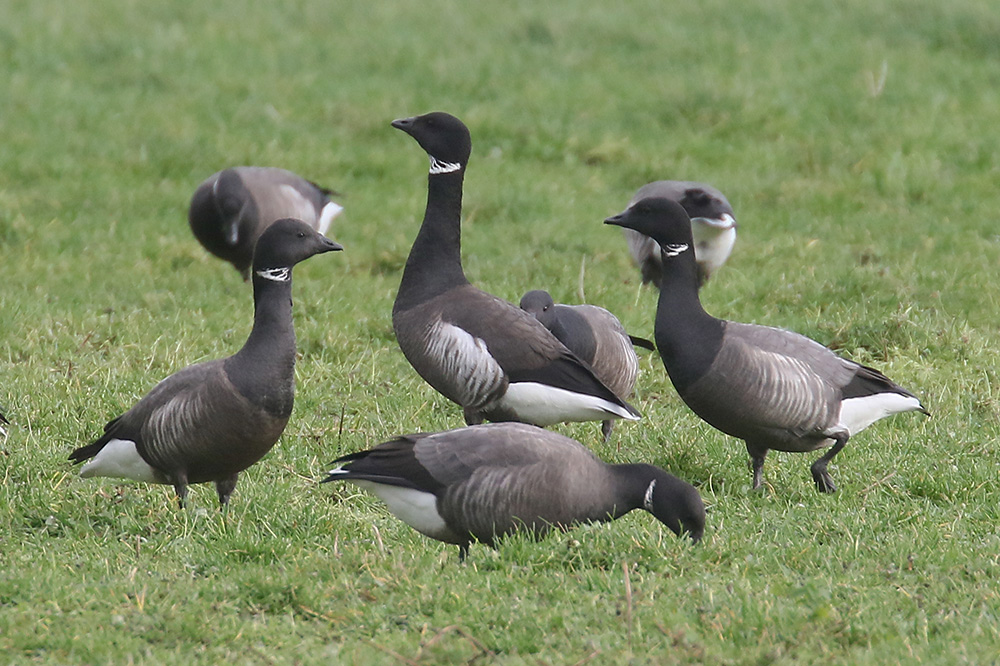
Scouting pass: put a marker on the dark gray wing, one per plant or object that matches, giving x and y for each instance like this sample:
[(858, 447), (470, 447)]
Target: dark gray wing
[(279, 193), (768, 382), (615, 362), (469, 345), (506, 476)]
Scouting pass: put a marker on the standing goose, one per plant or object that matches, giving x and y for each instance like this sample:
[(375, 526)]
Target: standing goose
[(713, 226), (772, 388), (487, 355), (212, 420), (483, 482), (232, 208), (593, 334)]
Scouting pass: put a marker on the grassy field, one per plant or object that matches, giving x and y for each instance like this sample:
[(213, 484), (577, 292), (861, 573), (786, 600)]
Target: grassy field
[(858, 144)]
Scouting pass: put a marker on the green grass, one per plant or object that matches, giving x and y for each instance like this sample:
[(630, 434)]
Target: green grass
[(868, 221)]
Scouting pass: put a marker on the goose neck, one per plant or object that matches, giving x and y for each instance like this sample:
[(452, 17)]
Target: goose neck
[(268, 355), (435, 260), (687, 338)]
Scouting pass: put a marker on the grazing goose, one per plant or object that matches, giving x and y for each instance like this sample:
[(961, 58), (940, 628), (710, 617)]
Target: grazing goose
[(712, 224), (484, 482), (593, 334), (210, 421), (487, 355), (232, 208), (772, 388)]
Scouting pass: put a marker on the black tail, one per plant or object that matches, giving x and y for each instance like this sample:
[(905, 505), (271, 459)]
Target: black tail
[(869, 381), (642, 342)]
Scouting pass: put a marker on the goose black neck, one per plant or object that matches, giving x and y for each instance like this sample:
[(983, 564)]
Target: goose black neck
[(673, 502), (631, 482), (267, 358), (687, 338), (435, 261)]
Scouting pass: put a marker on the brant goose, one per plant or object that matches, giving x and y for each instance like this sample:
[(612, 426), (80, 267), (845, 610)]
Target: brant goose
[(210, 421), (712, 224), (487, 355), (593, 334), (772, 388), (232, 208), (483, 482)]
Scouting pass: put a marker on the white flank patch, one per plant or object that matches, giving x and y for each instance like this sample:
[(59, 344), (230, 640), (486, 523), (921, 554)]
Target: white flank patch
[(465, 360), (416, 508), (545, 405), (713, 241), (856, 414), (330, 211), (438, 166), (119, 459)]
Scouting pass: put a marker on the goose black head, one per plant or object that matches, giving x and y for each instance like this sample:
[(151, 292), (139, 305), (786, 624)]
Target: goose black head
[(677, 504), (286, 243), (219, 208), (445, 138), (711, 211), (540, 305), (663, 220)]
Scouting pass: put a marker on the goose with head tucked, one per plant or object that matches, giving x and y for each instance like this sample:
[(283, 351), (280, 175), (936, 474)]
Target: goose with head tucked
[(489, 356), (772, 388), (210, 421), (593, 334), (231, 209), (483, 482), (713, 227)]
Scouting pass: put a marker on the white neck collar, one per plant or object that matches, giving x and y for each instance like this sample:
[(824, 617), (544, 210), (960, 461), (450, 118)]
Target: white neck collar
[(283, 274), (647, 499), (438, 166), (673, 249)]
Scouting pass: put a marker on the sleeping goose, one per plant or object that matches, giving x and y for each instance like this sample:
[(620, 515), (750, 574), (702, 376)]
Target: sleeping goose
[(487, 355), (593, 334), (212, 420), (483, 482), (772, 388), (713, 226), (232, 208)]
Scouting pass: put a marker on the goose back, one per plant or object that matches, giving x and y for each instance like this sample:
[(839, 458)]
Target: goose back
[(232, 208), (491, 480), (713, 226), (210, 421), (477, 350)]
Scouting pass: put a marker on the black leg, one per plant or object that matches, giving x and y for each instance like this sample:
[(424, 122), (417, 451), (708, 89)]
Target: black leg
[(463, 552), (225, 488), (472, 416), (181, 488), (824, 483), (606, 428), (757, 464)]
